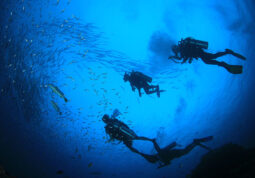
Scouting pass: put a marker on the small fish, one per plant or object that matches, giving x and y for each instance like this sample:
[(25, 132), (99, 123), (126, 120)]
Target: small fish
[(60, 172), (89, 147), (55, 106), (58, 92), (90, 164)]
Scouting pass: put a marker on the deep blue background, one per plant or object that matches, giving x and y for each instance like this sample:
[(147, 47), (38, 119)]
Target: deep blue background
[(84, 48)]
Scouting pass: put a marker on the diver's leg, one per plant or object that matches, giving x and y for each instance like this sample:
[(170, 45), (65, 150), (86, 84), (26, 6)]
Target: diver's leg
[(149, 89), (156, 146), (219, 54), (201, 140), (131, 148), (139, 90), (205, 139), (196, 142), (150, 158), (181, 152), (170, 146), (208, 59), (144, 138), (211, 56)]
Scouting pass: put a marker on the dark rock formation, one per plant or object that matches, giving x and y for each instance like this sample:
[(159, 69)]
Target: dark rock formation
[(230, 160)]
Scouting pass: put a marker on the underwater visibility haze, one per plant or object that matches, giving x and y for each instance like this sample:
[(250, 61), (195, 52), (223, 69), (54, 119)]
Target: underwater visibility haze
[(62, 65)]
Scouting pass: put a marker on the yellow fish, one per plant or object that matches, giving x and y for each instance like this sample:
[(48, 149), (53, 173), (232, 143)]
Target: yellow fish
[(55, 106), (58, 92)]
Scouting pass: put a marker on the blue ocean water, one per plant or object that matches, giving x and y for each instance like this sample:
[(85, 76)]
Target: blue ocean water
[(84, 48)]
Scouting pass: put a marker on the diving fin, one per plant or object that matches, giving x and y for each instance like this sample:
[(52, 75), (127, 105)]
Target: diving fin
[(239, 56), (234, 69), (229, 51)]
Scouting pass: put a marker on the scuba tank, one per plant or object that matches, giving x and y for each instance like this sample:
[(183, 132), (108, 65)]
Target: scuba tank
[(125, 130), (120, 127), (193, 43), (143, 76)]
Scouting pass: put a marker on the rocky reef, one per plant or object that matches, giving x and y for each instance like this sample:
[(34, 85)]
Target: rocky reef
[(230, 160)]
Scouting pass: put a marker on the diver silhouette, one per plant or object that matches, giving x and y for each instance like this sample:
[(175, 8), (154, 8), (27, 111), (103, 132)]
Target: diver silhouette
[(139, 80), (117, 130), (165, 155), (190, 48)]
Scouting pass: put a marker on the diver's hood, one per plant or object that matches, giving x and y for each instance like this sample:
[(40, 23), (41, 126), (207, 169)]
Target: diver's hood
[(106, 118), (175, 49)]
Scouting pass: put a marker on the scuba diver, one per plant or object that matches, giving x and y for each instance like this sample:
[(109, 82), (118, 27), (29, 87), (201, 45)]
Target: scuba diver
[(117, 130), (165, 155), (139, 80), (190, 48)]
